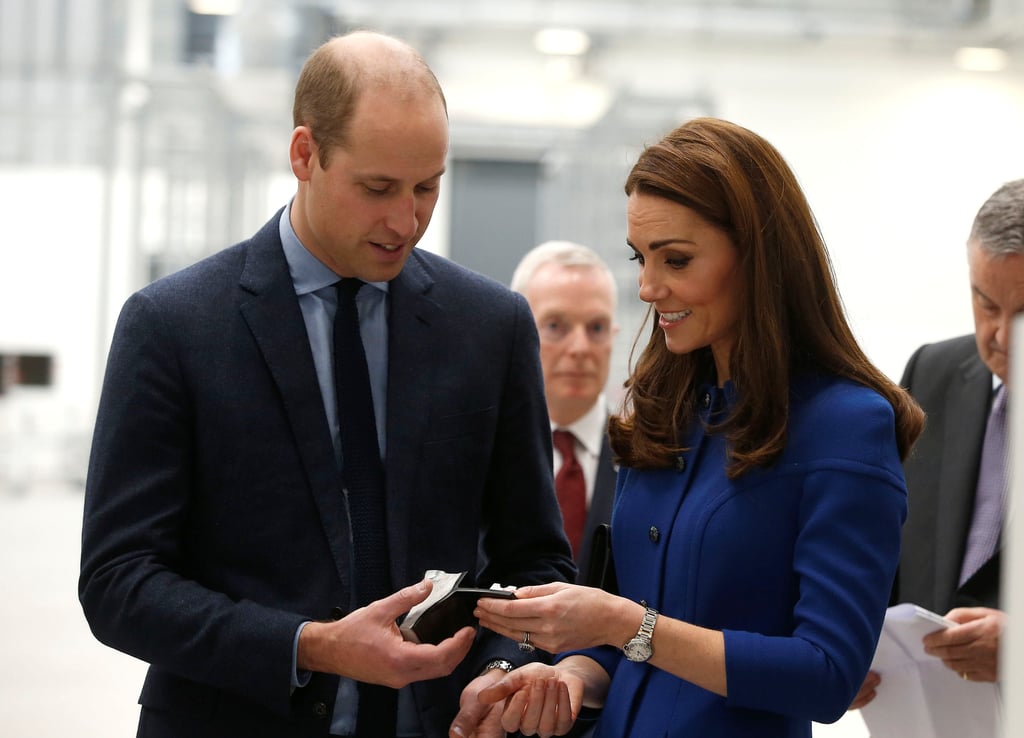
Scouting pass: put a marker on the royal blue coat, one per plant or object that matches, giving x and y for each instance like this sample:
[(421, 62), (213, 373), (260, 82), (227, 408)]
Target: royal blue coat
[(794, 564)]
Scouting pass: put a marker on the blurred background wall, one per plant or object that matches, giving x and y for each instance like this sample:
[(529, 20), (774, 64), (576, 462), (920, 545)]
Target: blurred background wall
[(137, 136)]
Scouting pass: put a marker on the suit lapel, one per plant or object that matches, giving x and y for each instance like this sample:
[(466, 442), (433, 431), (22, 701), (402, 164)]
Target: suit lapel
[(275, 319), (414, 320), (966, 414)]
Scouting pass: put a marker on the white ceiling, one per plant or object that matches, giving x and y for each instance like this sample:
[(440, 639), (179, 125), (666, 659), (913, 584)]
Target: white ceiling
[(483, 45)]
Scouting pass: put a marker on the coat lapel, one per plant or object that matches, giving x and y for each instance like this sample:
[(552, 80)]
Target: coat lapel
[(966, 414), (275, 319), (413, 324)]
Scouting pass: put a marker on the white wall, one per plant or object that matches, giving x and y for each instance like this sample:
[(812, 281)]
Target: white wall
[(49, 305), (1012, 655), (896, 152)]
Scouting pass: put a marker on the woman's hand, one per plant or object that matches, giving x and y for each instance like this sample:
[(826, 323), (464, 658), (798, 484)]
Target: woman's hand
[(561, 617)]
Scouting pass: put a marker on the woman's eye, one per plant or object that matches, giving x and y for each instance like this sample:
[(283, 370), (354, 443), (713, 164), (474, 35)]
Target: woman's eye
[(677, 262), (635, 256)]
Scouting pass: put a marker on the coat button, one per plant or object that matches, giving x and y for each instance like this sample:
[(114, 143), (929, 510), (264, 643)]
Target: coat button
[(654, 534), (337, 613), (707, 399), (320, 709), (681, 463)]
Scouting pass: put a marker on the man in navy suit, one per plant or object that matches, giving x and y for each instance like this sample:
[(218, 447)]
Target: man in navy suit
[(572, 294), (957, 383), (217, 537)]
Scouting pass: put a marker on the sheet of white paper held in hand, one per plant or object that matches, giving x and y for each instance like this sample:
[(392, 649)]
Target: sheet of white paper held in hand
[(918, 695)]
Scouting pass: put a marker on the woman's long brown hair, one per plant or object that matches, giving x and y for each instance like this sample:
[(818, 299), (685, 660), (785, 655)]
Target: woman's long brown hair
[(792, 318)]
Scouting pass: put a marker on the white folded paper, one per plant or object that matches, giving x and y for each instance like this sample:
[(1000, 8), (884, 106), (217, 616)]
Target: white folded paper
[(918, 695)]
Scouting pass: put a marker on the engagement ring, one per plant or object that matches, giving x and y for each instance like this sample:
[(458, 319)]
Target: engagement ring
[(525, 645)]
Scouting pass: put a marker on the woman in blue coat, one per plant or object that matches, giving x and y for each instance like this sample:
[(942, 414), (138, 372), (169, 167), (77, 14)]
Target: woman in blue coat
[(760, 497)]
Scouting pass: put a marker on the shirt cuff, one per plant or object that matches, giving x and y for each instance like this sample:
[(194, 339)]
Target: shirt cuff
[(299, 678)]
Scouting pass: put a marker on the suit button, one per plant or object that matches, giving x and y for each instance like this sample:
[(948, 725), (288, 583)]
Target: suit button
[(654, 534), (320, 709), (681, 463), (337, 613)]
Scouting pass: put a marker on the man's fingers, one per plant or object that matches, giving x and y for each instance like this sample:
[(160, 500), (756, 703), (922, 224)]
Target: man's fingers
[(535, 708), (464, 725), (406, 598), (500, 689), (450, 652), (566, 718)]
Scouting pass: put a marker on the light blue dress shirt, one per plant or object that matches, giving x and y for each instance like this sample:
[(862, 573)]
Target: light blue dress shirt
[(318, 299)]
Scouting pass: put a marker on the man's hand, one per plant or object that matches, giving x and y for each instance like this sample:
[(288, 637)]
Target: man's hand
[(537, 699), (971, 649), (478, 719), (366, 645)]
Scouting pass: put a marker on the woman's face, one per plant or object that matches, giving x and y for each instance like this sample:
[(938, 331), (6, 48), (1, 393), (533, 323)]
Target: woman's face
[(689, 272)]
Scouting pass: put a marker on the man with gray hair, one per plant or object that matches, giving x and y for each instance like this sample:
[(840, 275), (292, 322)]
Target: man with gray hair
[(572, 294), (957, 473)]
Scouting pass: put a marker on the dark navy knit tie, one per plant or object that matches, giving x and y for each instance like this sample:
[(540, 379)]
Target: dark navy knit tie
[(363, 480)]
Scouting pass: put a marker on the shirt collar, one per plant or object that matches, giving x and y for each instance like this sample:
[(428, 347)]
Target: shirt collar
[(308, 273), (589, 428)]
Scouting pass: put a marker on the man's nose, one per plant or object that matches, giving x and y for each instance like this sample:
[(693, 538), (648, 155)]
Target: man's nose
[(401, 217), (578, 340)]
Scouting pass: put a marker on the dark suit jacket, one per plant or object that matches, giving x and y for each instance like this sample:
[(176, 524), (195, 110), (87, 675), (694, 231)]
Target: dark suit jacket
[(954, 387), (214, 522), (600, 509)]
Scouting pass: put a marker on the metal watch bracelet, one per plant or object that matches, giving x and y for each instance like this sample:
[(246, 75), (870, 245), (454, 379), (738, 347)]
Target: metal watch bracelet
[(503, 664)]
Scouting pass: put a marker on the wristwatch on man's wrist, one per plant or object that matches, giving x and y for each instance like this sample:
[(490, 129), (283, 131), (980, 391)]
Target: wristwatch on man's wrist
[(502, 664), (639, 648)]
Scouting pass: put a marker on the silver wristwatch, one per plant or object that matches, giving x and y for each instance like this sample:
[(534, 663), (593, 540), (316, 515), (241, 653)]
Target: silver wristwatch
[(639, 648), (502, 664)]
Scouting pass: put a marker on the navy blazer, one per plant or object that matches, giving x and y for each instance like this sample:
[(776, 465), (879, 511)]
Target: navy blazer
[(793, 563), (214, 523), (954, 387)]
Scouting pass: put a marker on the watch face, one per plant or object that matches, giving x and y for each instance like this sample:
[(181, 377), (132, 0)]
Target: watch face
[(638, 649)]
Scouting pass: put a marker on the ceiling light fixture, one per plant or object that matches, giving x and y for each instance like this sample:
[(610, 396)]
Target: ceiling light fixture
[(215, 7), (561, 41), (981, 59)]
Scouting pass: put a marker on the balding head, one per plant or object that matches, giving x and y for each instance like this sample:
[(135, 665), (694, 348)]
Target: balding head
[(340, 70)]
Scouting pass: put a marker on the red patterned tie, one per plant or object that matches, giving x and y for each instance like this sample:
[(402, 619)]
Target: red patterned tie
[(571, 489)]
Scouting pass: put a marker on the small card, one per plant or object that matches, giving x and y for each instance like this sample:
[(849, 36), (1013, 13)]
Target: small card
[(448, 608)]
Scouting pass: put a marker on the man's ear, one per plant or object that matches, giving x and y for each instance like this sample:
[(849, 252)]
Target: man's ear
[(302, 152)]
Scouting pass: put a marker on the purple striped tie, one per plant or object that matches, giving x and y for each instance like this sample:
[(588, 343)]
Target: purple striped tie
[(990, 496)]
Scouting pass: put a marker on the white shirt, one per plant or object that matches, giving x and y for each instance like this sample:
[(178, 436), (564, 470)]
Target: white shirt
[(589, 431)]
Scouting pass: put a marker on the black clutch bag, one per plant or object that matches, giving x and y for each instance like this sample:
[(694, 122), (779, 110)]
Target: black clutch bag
[(601, 573), (448, 608)]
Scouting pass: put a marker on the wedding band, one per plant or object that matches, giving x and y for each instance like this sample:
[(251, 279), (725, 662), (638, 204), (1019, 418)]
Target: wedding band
[(525, 644)]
